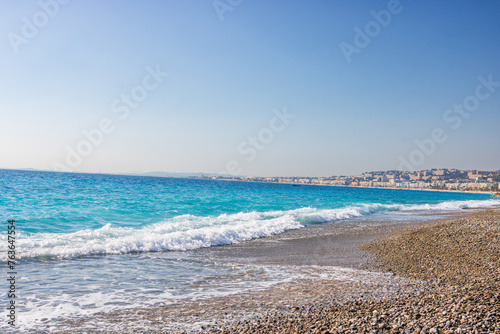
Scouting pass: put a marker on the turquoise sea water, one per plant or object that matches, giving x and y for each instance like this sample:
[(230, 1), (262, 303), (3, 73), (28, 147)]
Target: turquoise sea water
[(86, 243)]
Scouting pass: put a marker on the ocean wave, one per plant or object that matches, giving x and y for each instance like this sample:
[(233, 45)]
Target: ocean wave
[(189, 232), (453, 205), (181, 233)]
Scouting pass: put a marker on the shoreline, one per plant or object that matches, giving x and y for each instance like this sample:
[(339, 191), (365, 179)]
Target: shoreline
[(455, 264), (332, 295), (325, 262), (486, 192)]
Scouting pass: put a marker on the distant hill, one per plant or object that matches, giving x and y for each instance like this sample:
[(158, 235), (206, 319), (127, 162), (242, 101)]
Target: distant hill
[(166, 174), (156, 174)]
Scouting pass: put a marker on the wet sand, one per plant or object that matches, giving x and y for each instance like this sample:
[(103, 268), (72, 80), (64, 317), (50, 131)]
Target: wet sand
[(335, 244)]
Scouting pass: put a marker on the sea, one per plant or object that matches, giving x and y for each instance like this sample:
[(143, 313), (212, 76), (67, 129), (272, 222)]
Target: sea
[(89, 244)]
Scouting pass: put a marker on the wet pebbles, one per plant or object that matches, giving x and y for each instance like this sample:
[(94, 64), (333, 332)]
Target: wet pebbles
[(455, 266)]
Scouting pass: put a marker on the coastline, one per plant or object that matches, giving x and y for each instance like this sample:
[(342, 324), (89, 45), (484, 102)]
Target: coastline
[(487, 192), (367, 280), (297, 239), (454, 267), (340, 278), (324, 260)]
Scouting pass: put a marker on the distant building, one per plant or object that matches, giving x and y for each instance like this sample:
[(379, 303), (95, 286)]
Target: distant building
[(439, 172)]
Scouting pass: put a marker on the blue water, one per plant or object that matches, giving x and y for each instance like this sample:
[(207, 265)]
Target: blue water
[(109, 232)]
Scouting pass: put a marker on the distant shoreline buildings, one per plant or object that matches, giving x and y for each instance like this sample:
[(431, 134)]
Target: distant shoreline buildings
[(432, 179)]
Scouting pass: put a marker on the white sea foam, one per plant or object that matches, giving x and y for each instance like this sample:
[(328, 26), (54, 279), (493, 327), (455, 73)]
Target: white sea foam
[(55, 308), (453, 205), (188, 232), (180, 233)]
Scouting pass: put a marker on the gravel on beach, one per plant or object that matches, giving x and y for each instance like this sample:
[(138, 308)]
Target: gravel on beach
[(441, 277), (458, 264)]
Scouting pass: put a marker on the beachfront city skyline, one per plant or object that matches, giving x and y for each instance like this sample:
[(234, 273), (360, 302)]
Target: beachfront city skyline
[(430, 179), (249, 87)]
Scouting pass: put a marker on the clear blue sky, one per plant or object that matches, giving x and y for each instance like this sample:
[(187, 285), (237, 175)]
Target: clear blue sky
[(69, 67)]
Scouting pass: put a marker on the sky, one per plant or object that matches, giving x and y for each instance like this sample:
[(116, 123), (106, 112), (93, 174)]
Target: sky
[(262, 88)]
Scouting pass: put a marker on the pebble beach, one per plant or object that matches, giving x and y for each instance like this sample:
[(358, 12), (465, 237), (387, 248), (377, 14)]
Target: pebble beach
[(429, 277), (450, 283)]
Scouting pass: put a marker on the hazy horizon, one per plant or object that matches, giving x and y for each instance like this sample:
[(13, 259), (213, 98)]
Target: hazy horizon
[(249, 88), (190, 174)]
